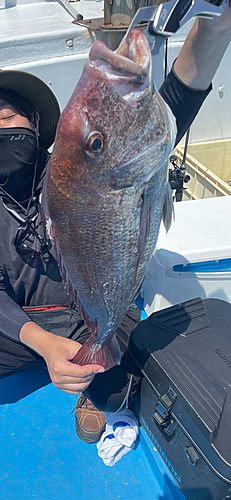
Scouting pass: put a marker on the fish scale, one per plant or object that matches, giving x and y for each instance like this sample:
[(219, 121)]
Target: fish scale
[(107, 190)]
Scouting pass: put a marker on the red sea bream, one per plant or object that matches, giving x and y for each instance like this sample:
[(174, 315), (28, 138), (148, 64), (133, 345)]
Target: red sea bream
[(107, 188)]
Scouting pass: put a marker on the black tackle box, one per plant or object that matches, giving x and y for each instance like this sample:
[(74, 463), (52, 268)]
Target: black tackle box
[(184, 405)]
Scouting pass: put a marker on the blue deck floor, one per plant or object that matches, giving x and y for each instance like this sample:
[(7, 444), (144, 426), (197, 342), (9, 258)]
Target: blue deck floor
[(42, 457)]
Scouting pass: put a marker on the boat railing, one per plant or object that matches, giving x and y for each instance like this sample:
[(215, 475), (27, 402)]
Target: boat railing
[(203, 182)]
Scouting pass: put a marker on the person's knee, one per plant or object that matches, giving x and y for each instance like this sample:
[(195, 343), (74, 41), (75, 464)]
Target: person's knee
[(111, 390), (107, 389)]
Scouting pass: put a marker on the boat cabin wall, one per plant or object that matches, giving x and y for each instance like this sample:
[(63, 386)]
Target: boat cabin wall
[(40, 37), (213, 120), (8, 4)]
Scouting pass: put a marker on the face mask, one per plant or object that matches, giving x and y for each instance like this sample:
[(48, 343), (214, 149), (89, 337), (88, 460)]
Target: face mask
[(18, 155)]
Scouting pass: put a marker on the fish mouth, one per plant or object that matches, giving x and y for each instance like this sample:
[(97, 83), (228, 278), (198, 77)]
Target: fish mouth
[(128, 68)]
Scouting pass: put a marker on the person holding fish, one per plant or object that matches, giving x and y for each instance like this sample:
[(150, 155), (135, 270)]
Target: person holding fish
[(67, 287)]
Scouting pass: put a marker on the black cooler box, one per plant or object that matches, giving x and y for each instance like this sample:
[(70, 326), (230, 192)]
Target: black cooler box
[(184, 353)]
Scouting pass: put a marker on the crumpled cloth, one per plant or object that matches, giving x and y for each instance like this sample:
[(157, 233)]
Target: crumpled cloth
[(119, 437)]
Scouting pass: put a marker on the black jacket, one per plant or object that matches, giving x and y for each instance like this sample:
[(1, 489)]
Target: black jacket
[(37, 282)]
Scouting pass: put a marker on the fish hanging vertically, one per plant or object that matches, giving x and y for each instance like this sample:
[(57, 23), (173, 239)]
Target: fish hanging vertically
[(107, 188)]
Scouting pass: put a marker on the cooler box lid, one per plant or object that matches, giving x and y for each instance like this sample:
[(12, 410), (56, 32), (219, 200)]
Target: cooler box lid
[(185, 351), (201, 232)]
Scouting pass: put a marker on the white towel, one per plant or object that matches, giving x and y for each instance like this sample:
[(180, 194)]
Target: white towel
[(119, 437)]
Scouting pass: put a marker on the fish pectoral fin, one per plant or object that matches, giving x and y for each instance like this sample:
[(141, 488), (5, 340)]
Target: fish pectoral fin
[(168, 208), (107, 355)]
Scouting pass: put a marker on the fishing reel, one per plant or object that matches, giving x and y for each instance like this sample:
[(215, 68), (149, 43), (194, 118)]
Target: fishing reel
[(177, 178)]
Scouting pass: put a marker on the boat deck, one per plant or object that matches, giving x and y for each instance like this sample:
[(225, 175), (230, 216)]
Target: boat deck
[(42, 457)]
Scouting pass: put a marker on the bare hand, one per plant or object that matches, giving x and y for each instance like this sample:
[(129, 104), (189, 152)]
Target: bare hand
[(65, 375), (58, 353)]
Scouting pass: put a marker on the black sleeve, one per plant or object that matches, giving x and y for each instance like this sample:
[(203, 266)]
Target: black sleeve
[(12, 316), (183, 101)]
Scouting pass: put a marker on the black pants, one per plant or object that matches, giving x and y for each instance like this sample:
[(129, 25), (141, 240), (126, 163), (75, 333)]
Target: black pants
[(109, 390)]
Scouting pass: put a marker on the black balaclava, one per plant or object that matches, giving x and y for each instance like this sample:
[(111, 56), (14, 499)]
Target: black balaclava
[(21, 163)]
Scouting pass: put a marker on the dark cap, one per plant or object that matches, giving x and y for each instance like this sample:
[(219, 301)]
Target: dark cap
[(40, 95)]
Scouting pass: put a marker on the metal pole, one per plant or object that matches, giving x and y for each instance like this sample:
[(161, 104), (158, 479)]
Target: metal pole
[(71, 10)]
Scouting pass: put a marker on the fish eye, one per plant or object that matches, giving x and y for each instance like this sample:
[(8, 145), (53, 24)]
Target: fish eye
[(94, 143)]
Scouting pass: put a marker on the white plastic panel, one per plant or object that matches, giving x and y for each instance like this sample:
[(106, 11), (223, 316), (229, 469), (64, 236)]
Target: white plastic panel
[(214, 119), (60, 73), (34, 36)]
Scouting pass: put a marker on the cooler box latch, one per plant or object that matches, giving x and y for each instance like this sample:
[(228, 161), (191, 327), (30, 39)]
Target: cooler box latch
[(162, 410)]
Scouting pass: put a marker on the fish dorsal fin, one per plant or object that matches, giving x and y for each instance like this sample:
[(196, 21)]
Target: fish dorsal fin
[(168, 208)]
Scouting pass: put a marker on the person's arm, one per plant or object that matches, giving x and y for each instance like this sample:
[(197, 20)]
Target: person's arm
[(58, 353), (12, 316), (203, 50), (189, 82)]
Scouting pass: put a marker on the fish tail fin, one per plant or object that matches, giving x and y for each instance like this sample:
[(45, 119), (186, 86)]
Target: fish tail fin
[(168, 208), (107, 354)]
